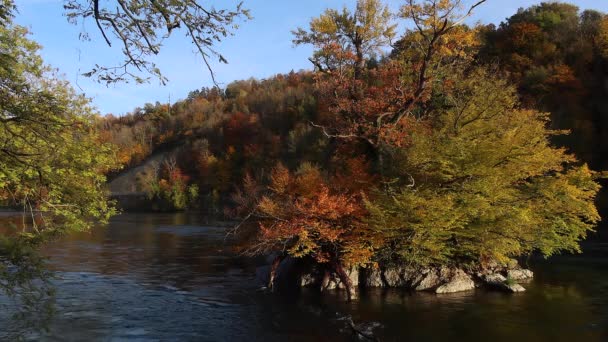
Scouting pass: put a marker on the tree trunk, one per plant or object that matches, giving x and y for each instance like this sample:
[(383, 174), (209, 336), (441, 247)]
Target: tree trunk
[(360, 60), (273, 270), (326, 279), (345, 279)]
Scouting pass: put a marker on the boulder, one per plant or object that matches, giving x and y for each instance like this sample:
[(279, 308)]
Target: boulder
[(331, 283), (515, 287), (392, 277), (353, 275), (460, 281), (520, 274), (429, 281), (494, 279), (373, 277), (499, 282)]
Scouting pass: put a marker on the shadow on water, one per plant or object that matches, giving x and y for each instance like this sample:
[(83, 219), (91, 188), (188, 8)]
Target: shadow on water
[(169, 277)]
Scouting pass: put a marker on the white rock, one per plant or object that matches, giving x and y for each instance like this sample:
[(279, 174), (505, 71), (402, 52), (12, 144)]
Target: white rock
[(460, 282), (308, 279), (495, 279), (392, 277), (520, 274), (515, 288), (499, 282), (429, 281), (374, 278)]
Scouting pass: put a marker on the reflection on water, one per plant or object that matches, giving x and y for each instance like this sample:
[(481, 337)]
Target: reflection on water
[(168, 277)]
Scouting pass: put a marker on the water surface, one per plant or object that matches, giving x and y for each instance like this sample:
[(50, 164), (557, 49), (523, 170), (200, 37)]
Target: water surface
[(170, 277)]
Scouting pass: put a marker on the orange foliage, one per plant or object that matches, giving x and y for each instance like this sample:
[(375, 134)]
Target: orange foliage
[(303, 215)]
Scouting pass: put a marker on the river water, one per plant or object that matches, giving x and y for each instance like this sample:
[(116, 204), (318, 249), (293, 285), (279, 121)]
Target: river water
[(170, 277)]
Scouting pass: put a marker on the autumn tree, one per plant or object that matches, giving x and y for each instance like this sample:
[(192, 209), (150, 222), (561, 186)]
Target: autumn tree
[(376, 109), (603, 36), (485, 184), (553, 53), (52, 159), (169, 185), (310, 214), (346, 39)]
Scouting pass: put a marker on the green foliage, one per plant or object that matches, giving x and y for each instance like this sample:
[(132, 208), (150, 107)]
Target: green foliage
[(52, 161), (554, 54), (343, 38), (483, 183), (51, 158), (510, 281), (168, 187), (7, 7)]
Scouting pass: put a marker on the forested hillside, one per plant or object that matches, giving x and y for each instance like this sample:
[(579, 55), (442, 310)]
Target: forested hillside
[(556, 55), (216, 137), (558, 58)]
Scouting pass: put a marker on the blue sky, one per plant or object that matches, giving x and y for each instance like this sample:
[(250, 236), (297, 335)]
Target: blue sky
[(261, 47)]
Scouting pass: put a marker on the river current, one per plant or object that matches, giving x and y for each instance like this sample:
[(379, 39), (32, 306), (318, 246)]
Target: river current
[(171, 277)]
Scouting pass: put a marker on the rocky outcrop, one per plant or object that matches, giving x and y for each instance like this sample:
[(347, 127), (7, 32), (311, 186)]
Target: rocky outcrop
[(439, 280), (373, 277)]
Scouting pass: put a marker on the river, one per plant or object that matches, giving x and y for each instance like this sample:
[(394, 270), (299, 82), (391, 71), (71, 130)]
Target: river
[(170, 277)]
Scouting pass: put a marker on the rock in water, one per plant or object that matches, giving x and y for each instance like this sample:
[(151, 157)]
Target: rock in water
[(520, 274), (308, 279), (499, 282), (494, 279), (515, 287), (460, 282)]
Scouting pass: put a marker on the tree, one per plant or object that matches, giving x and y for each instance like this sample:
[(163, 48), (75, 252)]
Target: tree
[(344, 39), (603, 37), (485, 183), (308, 214), (52, 159), (140, 27), (375, 109), (554, 54)]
